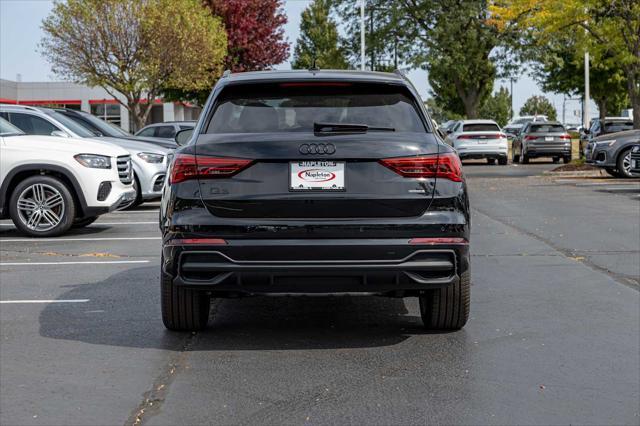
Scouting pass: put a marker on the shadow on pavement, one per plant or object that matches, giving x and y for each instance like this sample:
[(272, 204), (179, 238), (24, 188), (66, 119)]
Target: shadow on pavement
[(124, 310)]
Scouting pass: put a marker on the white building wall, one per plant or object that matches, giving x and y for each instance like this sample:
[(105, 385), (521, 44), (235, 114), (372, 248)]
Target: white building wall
[(11, 91)]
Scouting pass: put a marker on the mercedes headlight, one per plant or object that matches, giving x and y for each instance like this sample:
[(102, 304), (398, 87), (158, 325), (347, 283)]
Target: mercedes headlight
[(150, 157), (94, 161)]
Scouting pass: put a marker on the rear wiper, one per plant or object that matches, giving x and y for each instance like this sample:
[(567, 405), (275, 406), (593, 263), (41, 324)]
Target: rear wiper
[(348, 128)]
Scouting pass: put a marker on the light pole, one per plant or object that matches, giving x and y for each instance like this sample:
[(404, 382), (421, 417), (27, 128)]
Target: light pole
[(586, 91), (362, 50)]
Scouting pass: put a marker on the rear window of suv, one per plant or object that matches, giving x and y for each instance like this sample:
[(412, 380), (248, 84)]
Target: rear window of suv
[(480, 127), (617, 126), (546, 128), (295, 107)]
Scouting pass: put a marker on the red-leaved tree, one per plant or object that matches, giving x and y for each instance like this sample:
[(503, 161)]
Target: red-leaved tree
[(255, 32)]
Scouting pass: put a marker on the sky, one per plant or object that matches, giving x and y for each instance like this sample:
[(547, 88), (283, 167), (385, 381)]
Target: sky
[(20, 34)]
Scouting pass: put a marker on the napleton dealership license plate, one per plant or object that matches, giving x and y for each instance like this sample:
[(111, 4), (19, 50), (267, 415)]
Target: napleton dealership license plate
[(317, 175)]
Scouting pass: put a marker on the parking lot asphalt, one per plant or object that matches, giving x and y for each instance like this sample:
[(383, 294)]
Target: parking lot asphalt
[(554, 334)]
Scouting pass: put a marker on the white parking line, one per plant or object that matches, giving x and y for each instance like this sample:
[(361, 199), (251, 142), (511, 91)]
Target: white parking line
[(45, 240), (105, 262), (154, 222), (45, 301)]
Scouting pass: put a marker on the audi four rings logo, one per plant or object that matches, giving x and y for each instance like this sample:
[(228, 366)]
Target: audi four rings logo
[(317, 148)]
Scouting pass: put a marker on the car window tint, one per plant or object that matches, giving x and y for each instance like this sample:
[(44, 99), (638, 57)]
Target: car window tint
[(284, 108), (617, 126), (547, 128), (480, 127), (165, 132), (146, 132), (31, 125)]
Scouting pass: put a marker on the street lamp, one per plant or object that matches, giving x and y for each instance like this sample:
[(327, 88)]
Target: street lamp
[(362, 61)]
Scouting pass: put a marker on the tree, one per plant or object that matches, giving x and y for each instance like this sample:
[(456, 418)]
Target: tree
[(255, 31), (458, 46), (134, 48), (497, 107), (608, 29), (318, 40), (539, 105), (559, 71), (386, 38)]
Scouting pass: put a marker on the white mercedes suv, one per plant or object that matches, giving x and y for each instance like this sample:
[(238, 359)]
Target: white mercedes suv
[(49, 184)]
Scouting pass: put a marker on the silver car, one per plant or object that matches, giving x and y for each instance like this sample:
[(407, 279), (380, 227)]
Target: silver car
[(149, 161)]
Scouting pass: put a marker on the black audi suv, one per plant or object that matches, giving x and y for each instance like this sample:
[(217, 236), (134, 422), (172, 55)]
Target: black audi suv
[(325, 182)]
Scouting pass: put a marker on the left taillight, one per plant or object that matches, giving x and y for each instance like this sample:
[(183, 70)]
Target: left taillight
[(188, 166), (444, 166)]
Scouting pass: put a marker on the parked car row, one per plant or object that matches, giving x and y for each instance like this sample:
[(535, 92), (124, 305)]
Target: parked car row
[(612, 152), (67, 156), (49, 184)]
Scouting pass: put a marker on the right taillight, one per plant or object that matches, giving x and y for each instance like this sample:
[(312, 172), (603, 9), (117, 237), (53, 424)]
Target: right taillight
[(444, 166), (188, 166)]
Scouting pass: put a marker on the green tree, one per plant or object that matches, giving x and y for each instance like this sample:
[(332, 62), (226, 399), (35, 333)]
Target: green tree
[(608, 29), (318, 40), (386, 35), (459, 47), (135, 48), (539, 105), (557, 70), (497, 107)]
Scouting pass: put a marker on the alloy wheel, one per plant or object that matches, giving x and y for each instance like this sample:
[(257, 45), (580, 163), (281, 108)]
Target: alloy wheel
[(626, 163), (41, 207)]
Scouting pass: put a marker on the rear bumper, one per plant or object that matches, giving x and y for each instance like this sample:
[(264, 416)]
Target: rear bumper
[(548, 151), (315, 266)]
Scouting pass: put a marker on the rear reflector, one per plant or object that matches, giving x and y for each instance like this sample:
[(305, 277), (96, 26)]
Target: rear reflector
[(445, 166), (188, 166), (439, 241), (197, 242)]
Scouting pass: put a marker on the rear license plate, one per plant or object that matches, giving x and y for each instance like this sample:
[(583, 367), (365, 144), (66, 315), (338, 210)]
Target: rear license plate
[(548, 138), (316, 176)]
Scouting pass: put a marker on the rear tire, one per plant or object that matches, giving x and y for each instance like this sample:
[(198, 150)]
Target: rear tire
[(47, 207), (81, 223), (502, 161), (183, 309), (525, 158), (556, 160), (491, 161), (566, 159), (447, 308)]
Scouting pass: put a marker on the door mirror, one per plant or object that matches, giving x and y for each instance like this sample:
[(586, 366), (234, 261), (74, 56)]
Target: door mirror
[(449, 131), (183, 136), (59, 133)]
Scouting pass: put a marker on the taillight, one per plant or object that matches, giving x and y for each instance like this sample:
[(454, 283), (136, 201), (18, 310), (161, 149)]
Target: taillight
[(188, 166), (530, 138), (565, 137), (445, 166)]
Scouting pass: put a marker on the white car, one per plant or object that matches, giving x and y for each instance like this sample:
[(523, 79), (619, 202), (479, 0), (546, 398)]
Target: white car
[(149, 161), (479, 139), (49, 184)]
